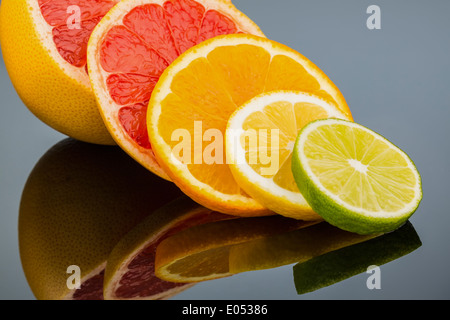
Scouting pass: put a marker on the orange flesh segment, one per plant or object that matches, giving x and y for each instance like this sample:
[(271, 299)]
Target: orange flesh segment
[(70, 42), (136, 53)]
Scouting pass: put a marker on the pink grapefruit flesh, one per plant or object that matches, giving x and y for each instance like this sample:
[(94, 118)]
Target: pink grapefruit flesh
[(72, 42), (137, 52)]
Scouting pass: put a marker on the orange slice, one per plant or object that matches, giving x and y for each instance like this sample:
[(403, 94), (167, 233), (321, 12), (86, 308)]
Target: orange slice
[(194, 98), (132, 46), (44, 48)]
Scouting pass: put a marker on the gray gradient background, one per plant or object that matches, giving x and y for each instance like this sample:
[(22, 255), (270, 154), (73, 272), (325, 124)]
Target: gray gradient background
[(396, 81)]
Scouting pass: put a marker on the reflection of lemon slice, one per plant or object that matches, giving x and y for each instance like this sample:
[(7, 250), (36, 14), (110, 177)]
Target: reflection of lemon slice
[(260, 138), (344, 263), (290, 247), (201, 253), (194, 98), (79, 200), (354, 178), (130, 272)]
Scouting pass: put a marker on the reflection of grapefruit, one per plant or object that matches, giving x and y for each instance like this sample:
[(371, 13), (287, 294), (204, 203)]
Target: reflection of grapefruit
[(129, 50), (130, 272), (79, 200), (45, 55)]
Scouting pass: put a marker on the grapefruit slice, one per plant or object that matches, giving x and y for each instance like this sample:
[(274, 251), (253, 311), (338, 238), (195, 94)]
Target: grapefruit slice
[(44, 48), (78, 202), (130, 271), (198, 93), (129, 50)]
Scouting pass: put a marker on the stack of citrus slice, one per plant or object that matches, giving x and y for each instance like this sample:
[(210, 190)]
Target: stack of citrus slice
[(194, 92)]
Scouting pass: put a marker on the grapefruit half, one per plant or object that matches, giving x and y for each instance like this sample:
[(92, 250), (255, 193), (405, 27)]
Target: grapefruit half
[(44, 48)]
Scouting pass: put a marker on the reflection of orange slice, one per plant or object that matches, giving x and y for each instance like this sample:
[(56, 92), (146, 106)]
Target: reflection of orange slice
[(130, 272), (201, 253), (203, 88), (78, 202), (130, 48), (45, 55)]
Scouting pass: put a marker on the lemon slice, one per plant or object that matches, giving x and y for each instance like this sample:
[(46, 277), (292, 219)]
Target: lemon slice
[(354, 178), (260, 137)]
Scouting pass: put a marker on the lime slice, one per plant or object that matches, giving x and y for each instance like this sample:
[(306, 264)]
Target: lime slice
[(354, 178), (333, 267)]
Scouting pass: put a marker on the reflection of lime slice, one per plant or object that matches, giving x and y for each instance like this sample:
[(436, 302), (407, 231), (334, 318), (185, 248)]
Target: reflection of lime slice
[(354, 178), (330, 268), (290, 247)]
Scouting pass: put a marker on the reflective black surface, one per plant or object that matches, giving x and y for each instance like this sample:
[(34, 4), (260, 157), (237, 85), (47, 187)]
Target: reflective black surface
[(396, 82)]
